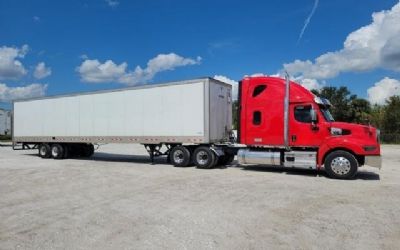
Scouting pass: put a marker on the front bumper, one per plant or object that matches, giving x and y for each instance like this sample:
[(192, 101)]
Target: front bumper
[(373, 161)]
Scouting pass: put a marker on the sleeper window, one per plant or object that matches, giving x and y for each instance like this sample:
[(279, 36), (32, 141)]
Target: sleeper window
[(259, 89), (256, 117)]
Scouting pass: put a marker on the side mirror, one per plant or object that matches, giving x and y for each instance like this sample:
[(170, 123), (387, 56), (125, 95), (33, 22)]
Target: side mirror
[(313, 114)]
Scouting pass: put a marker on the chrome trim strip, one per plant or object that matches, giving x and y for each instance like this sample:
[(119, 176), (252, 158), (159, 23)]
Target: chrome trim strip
[(112, 139)]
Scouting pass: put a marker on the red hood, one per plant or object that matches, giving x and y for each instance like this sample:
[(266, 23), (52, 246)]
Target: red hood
[(367, 134), (347, 125)]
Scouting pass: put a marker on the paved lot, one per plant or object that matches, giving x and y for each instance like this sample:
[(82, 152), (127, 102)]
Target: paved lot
[(118, 201)]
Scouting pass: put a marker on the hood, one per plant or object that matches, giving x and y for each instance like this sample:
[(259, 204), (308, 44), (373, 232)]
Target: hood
[(357, 130)]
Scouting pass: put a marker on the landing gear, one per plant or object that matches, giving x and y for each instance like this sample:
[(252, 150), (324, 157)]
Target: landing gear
[(155, 150)]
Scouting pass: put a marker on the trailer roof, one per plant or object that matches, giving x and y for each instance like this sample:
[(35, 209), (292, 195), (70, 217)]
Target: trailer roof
[(143, 86)]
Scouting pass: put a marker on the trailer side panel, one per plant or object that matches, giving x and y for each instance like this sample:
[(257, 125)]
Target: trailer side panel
[(166, 113)]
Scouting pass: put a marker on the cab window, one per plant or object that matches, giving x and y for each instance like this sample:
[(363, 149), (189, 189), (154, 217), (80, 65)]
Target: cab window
[(303, 113)]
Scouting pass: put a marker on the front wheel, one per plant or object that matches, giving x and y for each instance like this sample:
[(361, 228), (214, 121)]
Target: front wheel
[(341, 165)]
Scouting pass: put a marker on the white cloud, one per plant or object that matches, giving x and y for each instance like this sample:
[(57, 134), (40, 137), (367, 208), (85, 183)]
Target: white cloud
[(112, 3), (310, 84), (376, 45), (36, 19), (96, 72), (11, 93), (235, 85), (10, 66), (383, 89), (41, 71)]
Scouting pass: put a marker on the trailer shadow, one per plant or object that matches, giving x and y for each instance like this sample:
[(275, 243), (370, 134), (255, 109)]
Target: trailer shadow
[(110, 157), (361, 175)]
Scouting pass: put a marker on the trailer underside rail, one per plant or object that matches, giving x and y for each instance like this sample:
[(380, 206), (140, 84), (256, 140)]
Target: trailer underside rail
[(24, 146)]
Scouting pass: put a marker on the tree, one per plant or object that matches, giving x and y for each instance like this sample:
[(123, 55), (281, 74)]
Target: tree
[(360, 110), (391, 119), (376, 115), (345, 106), (235, 121)]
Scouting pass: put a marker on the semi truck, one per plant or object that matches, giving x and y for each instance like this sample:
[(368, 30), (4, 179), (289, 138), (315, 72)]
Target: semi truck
[(280, 123)]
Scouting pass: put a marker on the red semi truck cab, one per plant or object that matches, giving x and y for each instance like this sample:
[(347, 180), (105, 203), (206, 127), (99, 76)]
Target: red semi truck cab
[(281, 122)]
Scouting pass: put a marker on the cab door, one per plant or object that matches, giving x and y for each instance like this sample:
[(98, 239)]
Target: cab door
[(302, 130)]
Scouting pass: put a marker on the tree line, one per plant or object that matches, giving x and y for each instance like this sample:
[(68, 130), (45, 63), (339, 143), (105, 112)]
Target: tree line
[(348, 107)]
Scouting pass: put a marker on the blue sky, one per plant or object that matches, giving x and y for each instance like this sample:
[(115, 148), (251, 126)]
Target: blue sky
[(74, 40)]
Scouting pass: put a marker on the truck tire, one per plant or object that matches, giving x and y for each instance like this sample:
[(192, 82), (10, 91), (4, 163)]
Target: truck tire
[(44, 150), (204, 157), (57, 151), (341, 165), (226, 159), (88, 150), (180, 156)]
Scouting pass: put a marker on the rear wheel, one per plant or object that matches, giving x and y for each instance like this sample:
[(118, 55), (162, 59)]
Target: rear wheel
[(180, 156), (341, 165), (88, 150), (204, 157), (44, 150), (57, 151), (226, 159)]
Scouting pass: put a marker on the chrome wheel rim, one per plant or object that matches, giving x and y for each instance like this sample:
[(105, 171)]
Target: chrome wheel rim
[(42, 151), (178, 156), (202, 158), (55, 151), (340, 165)]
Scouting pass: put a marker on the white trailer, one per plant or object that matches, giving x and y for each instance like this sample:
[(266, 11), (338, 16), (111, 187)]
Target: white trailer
[(192, 113)]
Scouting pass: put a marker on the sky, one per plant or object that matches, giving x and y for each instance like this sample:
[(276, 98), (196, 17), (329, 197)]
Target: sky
[(59, 47)]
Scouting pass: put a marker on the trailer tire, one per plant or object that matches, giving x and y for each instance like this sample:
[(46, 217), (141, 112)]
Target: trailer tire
[(88, 150), (44, 150), (67, 151), (226, 159), (341, 165), (204, 157), (57, 151), (180, 156)]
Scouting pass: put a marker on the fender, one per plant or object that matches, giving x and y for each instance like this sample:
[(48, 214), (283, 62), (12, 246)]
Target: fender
[(339, 142)]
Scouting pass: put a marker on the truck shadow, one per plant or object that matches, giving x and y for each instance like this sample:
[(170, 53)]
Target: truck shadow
[(110, 157), (361, 175)]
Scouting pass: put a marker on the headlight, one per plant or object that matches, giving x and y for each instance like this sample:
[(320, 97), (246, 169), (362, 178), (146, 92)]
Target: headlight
[(336, 131)]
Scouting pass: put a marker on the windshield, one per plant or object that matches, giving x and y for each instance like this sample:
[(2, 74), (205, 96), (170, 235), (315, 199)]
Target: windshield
[(327, 115)]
